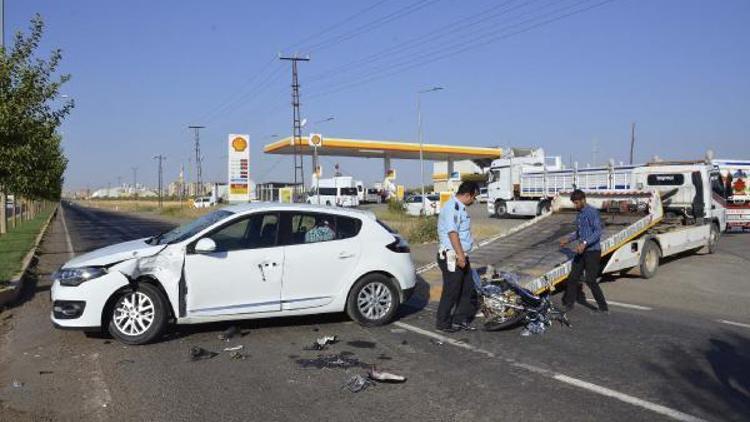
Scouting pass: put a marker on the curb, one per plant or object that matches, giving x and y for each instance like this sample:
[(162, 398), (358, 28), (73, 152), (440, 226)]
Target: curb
[(10, 293)]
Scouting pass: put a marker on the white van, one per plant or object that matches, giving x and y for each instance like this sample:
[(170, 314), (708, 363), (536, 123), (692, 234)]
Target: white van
[(339, 191)]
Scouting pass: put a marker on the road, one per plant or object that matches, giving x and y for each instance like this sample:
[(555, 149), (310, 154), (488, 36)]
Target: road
[(674, 347)]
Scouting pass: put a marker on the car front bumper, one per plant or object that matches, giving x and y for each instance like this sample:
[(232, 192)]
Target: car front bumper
[(81, 307)]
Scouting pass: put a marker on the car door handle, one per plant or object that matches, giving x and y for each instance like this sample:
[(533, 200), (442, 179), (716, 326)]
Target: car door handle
[(345, 255)]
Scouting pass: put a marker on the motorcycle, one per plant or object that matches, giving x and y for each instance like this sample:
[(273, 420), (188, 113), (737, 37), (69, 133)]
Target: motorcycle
[(505, 304)]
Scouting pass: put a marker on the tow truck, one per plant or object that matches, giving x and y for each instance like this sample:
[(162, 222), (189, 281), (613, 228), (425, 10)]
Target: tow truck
[(649, 212)]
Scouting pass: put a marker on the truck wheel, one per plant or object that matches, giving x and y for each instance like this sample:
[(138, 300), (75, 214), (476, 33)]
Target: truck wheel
[(139, 315), (543, 208), (713, 238), (373, 300), (501, 209), (649, 259)]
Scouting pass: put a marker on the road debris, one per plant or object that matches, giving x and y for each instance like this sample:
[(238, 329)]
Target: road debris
[(343, 360), (229, 333), (357, 383), (199, 353), (383, 356), (234, 348), (16, 384), (46, 372), (437, 342), (322, 343), (237, 356), (383, 376)]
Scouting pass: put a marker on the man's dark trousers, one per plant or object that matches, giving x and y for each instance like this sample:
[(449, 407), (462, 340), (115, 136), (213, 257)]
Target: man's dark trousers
[(458, 288), (588, 262)]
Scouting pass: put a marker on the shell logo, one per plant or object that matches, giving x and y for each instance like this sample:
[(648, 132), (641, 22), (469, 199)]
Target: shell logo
[(239, 144), (316, 140)]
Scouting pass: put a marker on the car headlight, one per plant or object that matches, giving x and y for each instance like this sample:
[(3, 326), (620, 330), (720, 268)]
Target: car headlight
[(76, 276)]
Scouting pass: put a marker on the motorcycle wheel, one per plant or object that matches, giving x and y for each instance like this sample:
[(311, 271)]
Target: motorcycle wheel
[(497, 325)]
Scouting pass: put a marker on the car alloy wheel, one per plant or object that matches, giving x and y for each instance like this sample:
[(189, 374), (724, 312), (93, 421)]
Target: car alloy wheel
[(134, 314), (374, 300)]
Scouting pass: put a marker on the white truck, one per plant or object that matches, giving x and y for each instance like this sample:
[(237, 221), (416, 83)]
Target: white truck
[(736, 178), (670, 208), (340, 191), (504, 195)]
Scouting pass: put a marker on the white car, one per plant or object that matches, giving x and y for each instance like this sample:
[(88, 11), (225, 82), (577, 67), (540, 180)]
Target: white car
[(204, 202), (413, 205), (483, 195), (240, 262)]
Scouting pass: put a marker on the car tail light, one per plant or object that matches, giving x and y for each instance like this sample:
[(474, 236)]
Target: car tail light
[(399, 245)]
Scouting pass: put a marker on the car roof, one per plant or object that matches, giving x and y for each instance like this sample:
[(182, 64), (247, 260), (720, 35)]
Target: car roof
[(277, 206)]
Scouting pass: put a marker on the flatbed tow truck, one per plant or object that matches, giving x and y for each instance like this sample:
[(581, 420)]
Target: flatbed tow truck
[(675, 208)]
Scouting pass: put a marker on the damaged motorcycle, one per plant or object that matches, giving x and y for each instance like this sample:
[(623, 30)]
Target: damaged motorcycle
[(505, 304)]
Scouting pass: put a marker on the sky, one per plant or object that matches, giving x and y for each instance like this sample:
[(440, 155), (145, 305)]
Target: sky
[(566, 75)]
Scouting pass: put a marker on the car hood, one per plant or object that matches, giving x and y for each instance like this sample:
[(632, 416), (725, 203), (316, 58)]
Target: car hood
[(115, 253)]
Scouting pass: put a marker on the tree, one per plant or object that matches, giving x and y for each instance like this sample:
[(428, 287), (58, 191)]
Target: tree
[(32, 162)]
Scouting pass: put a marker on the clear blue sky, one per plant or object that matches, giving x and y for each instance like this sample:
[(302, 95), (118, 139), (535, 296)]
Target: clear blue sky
[(143, 70)]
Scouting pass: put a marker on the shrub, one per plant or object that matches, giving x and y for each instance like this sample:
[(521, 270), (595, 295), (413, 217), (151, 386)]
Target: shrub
[(423, 230), (396, 206)]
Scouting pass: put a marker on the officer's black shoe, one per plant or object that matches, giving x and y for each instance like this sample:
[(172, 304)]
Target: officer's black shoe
[(466, 326), (452, 329)]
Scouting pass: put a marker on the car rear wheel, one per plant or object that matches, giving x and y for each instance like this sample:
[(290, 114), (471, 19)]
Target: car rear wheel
[(373, 300), (713, 238), (139, 315)]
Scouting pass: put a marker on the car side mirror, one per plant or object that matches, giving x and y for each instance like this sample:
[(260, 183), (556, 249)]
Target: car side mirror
[(205, 245)]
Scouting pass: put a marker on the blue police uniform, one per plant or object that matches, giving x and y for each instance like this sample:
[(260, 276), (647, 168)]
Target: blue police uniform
[(457, 301)]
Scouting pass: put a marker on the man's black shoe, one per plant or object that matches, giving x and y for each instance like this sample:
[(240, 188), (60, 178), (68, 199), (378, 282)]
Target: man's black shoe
[(451, 329), (466, 326), (601, 311)]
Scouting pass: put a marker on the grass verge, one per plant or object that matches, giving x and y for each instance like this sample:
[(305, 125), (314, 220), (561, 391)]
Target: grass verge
[(15, 244)]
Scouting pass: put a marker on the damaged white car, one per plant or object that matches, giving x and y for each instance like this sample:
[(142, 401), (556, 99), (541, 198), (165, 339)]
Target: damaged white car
[(240, 262)]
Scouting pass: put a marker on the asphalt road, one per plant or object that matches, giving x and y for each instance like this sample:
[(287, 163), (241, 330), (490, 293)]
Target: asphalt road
[(673, 347)]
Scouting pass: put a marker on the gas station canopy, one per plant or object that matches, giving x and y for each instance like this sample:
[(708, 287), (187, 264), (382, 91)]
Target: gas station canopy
[(382, 149)]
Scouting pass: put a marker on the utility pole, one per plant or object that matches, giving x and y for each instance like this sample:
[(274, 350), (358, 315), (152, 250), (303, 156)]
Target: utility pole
[(421, 144), (160, 158), (198, 161), (594, 152), (135, 182), (632, 142), (299, 172)]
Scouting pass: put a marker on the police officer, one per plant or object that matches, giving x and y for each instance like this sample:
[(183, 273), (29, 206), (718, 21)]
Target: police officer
[(588, 253), (456, 308)]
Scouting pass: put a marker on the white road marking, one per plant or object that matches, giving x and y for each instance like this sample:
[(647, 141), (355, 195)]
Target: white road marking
[(736, 324), (625, 305), (594, 388), (427, 267), (656, 408), (71, 254)]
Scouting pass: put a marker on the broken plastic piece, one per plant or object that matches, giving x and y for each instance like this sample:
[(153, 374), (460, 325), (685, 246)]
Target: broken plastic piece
[(199, 353), (357, 383), (233, 348), (322, 342), (384, 376), (16, 384), (436, 342)]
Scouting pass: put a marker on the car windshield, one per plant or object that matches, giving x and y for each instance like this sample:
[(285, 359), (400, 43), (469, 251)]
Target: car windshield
[(433, 198), (190, 229), (348, 191)]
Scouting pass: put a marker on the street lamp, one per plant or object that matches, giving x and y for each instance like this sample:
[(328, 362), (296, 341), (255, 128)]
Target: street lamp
[(316, 165), (419, 137)]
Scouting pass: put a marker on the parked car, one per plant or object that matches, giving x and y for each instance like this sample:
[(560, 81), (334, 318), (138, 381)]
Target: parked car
[(240, 262), (413, 205), (204, 202)]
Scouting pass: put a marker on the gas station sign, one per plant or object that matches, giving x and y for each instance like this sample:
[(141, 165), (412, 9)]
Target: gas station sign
[(238, 171)]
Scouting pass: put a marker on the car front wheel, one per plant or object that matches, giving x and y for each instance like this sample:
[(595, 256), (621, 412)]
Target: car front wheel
[(373, 300), (139, 315)]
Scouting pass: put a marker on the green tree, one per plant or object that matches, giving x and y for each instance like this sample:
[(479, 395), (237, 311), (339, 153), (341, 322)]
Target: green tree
[(32, 162)]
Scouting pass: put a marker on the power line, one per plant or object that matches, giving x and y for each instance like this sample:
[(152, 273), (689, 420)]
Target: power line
[(456, 49), (400, 13), (334, 26)]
